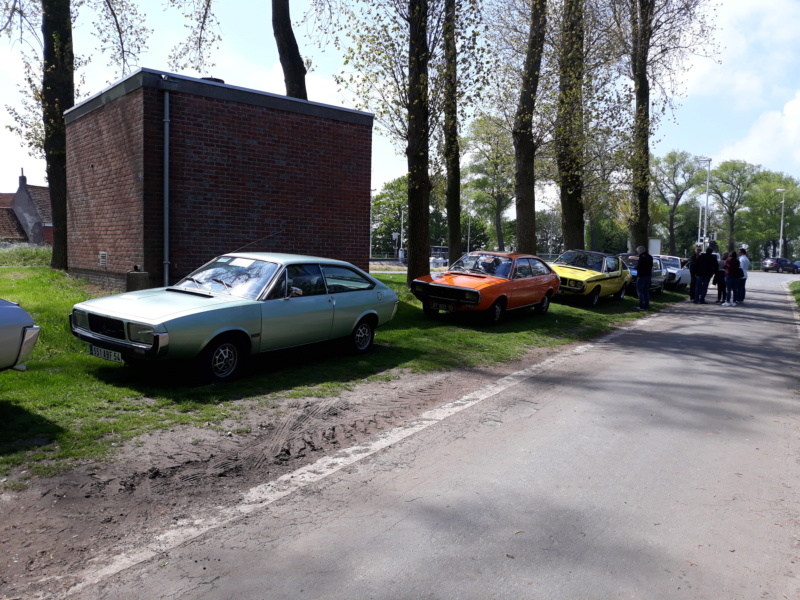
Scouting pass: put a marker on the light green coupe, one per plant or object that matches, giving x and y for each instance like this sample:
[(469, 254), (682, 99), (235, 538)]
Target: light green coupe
[(235, 306)]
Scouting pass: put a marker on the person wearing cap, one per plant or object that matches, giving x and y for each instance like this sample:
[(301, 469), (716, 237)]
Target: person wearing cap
[(744, 264)]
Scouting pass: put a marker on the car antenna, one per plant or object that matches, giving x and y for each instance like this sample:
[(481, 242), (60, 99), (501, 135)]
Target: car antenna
[(255, 241)]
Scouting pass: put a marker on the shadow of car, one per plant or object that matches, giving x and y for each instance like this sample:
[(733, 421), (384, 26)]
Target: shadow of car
[(488, 283), (589, 275), (235, 306), (18, 336)]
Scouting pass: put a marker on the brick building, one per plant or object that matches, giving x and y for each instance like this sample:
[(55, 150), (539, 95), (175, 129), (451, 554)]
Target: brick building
[(25, 216), (227, 166)]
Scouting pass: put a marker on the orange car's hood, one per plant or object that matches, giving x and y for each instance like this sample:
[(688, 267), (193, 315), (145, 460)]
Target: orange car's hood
[(472, 281)]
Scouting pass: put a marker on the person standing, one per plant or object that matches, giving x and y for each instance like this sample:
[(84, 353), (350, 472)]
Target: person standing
[(691, 264), (732, 270), (644, 275), (706, 266), (719, 279), (744, 265)]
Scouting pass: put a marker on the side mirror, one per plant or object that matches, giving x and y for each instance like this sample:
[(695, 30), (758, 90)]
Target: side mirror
[(295, 291)]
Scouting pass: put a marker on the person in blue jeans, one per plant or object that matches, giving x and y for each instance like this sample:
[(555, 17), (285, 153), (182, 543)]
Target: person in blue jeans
[(744, 265), (706, 267), (644, 275), (732, 271)]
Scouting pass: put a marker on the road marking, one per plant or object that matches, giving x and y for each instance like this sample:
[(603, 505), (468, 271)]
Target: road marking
[(262, 496)]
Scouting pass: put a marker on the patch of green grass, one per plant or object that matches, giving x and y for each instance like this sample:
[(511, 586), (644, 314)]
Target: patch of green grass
[(26, 255), (794, 287), (71, 407)]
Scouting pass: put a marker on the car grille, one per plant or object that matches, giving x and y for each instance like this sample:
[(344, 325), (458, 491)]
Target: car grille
[(113, 328), (443, 292)]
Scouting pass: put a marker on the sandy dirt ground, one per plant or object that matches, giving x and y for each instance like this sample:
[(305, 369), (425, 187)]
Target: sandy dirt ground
[(57, 525)]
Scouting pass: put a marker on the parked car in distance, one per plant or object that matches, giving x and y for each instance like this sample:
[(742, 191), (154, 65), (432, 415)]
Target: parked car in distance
[(677, 276), (779, 265), (797, 266), (658, 279), (235, 306), (18, 336), (488, 283), (589, 275)]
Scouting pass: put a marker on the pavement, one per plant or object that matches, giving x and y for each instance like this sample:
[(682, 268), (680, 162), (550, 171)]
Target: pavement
[(661, 461)]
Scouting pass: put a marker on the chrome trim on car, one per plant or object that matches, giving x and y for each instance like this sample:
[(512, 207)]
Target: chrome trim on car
[(159, 348), (29, 337)]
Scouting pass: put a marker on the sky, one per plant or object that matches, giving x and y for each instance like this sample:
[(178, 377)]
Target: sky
[(744, 105)]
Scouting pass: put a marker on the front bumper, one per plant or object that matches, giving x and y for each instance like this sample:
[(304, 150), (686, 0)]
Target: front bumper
[(159, 349)]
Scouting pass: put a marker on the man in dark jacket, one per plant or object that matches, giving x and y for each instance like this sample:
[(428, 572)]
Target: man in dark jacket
[(691, 264), (706, 266), (644, 275)]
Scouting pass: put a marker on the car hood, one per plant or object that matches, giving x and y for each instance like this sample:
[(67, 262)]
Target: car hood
[(471, 281), (158, 304), (575, 272)]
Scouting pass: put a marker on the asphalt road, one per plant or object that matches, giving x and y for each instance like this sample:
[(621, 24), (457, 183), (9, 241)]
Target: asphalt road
[(660, 462)]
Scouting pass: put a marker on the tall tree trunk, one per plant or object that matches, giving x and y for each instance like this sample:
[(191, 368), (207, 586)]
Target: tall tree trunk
[(452, 153), (417, 150), (642, 31), (672, 248), (569, 132), (524, 143), (58, 95), (498, 226), (294, 70)]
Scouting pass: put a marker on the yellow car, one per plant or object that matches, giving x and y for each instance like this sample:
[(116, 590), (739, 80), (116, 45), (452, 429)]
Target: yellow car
[(591, 275)]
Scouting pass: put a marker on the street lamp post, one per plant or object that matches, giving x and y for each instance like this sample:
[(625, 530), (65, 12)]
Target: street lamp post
[(783, 207), (708, 179)]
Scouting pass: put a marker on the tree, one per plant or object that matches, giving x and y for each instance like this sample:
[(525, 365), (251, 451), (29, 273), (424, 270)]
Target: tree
[(674, 176), (760, 225), (294, 69), (388, 208), (654, 37), (491, 172), (731, 184), (525, 145)]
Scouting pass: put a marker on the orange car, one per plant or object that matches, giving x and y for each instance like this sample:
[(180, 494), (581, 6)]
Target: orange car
[(489, 282)]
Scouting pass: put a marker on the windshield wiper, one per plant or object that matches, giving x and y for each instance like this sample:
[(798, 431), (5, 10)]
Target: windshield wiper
[(227, 287), (193, 280)]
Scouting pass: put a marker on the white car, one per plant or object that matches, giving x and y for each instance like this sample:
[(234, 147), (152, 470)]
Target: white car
[(677, 276), (18, 336)]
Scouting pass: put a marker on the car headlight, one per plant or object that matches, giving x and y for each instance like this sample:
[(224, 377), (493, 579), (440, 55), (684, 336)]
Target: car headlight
[(419, 288), (140, 333), (473, 297), (81, 319)]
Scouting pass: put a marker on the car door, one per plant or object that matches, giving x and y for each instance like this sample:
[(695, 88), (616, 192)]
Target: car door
[(352, 295), (523, 291), (542, 276), (614, 273), (298, 309)]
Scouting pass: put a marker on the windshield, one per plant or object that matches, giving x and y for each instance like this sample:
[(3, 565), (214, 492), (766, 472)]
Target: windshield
[(672, 263), (582, 260), (487, 264), (631, 261), (243, 277)]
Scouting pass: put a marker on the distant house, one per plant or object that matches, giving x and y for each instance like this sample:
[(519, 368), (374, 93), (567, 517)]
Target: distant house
[(25, 216), (165, 172)]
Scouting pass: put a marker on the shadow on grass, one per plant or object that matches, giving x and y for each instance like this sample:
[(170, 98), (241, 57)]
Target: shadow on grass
[(22, 430)]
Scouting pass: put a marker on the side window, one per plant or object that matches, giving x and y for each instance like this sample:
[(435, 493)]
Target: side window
[(278, 290), (307, 278), (539, 268), (341, 279), (523, 268), (612, 264)]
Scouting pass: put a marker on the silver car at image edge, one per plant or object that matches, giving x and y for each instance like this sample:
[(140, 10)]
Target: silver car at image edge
[(18, 336), (235, 306)]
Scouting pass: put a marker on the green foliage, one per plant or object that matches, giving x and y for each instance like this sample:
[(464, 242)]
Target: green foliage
[(26, 255)]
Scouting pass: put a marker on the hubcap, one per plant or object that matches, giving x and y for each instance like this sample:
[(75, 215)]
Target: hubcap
[(363, 336), (223, 361)]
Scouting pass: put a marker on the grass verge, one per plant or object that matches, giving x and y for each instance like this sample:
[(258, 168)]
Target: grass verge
[(794, 288), (71, 407)]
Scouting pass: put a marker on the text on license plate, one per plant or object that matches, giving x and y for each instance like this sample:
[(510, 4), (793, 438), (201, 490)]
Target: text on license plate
[(106, 354), (440, 306)]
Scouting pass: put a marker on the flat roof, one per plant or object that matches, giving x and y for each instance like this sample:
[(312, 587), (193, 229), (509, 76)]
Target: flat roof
[(171, 82)]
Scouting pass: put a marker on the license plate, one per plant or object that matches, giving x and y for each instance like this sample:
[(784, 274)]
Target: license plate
[(106, 354), (444, 307)]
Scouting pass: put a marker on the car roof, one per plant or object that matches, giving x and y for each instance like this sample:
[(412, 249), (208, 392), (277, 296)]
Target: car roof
[(287, 259), (595, 252), (504, 254)]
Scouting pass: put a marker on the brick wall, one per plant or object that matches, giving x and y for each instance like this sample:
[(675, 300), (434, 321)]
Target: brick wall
[(245, 168)]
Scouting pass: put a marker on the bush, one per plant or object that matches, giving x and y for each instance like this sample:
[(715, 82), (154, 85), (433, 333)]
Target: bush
[(25, 255)]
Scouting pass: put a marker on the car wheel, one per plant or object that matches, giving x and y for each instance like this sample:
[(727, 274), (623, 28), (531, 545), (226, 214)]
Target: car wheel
[(362, 337), (594, 297), (543, 306), (779, 269), (620, 295), (660, 289), (221, 359), (495, 312)]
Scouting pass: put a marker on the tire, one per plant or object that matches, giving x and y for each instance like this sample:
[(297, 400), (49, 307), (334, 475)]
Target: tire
[(593, 299), (362, 336), (495, 313), (542, 307), (620, 295), (221, 359), (779, 270)]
